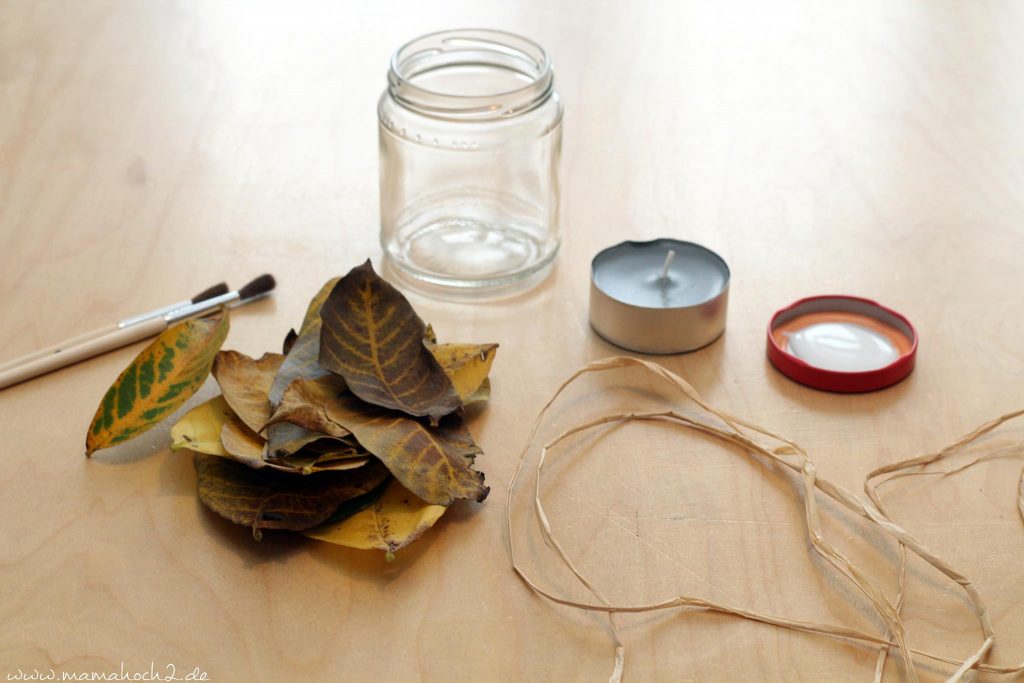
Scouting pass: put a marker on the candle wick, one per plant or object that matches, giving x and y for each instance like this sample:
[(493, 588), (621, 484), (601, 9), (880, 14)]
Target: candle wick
[(669, 257)]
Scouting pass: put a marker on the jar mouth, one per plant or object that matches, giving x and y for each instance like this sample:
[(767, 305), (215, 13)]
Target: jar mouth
[(472, 74)]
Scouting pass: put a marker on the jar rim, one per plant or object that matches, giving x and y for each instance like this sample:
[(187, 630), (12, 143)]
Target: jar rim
[(471, 47)]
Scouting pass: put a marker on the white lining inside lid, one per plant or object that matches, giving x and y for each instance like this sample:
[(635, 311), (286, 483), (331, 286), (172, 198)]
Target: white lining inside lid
[(845, 305)]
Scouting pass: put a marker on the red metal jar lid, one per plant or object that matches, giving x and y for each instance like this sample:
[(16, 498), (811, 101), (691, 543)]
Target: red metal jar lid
[(863, 314)]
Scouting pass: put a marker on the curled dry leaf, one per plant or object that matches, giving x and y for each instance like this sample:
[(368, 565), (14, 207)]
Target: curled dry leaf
[(332, 448), (435, 463), (264, 499), (303, 352), (306, 463), (214, 429), (160, 379), (394, 521), (305, 406), (241, 444), (322, 454), (245, 383), (373, 338), (467, 366), (284, 439)]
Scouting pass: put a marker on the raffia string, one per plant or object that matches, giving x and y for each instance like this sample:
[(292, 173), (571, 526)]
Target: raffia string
[(787, 453)]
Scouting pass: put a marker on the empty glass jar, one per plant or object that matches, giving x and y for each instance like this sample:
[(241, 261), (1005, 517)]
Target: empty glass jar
[(470, 140)]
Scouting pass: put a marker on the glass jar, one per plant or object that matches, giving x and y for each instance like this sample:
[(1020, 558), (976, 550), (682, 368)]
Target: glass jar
[(470, 142)]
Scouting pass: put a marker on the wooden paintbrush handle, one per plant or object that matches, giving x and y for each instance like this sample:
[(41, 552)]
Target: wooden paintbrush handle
[(93, 346), (59, 347)]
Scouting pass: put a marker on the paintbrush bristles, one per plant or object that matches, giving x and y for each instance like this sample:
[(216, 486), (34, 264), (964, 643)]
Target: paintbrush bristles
[(210, 292), (261, 285)]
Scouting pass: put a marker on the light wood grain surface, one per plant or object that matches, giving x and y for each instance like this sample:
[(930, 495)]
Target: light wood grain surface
[(150, 149)]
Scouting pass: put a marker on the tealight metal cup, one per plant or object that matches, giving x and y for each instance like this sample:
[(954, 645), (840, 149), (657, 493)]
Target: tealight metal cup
[(662, 329)]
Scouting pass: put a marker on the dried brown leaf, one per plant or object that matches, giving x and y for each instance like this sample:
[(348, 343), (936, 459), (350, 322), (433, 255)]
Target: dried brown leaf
[(373, 338), (304, 350), (311, 463), (264, 499), (435, 463), (245, 383), (241, 444), (285, 439)]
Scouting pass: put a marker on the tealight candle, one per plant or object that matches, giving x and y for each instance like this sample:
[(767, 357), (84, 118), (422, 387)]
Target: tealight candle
[(662, 296)]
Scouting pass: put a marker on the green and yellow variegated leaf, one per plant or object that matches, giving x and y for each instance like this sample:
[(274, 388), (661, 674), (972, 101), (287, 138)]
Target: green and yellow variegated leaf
[(435, 463), (304, 351), (266, 499), (394, 521), (246, 384), (467, 366), (160, 379), (373, 338), (199, 429)]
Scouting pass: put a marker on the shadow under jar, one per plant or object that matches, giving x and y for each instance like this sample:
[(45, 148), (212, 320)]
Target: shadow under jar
[(470, 141)]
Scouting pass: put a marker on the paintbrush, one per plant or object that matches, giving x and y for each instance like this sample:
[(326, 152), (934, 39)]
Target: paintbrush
[(138, 328), (208, 293)]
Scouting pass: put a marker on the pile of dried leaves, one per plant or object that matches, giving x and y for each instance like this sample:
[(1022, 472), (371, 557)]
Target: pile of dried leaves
[(353, 435)]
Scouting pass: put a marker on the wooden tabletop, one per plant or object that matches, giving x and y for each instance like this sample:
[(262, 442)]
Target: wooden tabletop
[(150, 149)]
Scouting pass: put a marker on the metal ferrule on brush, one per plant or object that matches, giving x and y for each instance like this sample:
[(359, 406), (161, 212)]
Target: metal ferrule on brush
[(195, 310), (260, 287), (209, 293)]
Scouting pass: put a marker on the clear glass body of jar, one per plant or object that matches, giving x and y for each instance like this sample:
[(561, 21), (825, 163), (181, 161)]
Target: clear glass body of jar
[(470, 145)]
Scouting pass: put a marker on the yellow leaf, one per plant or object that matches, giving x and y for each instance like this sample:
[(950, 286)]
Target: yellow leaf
[(394, 521), (467, 366), (160, 379), (483, 393), (199, 429)]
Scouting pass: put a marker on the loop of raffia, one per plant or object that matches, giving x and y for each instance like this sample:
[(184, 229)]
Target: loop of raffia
[(746, 435)]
